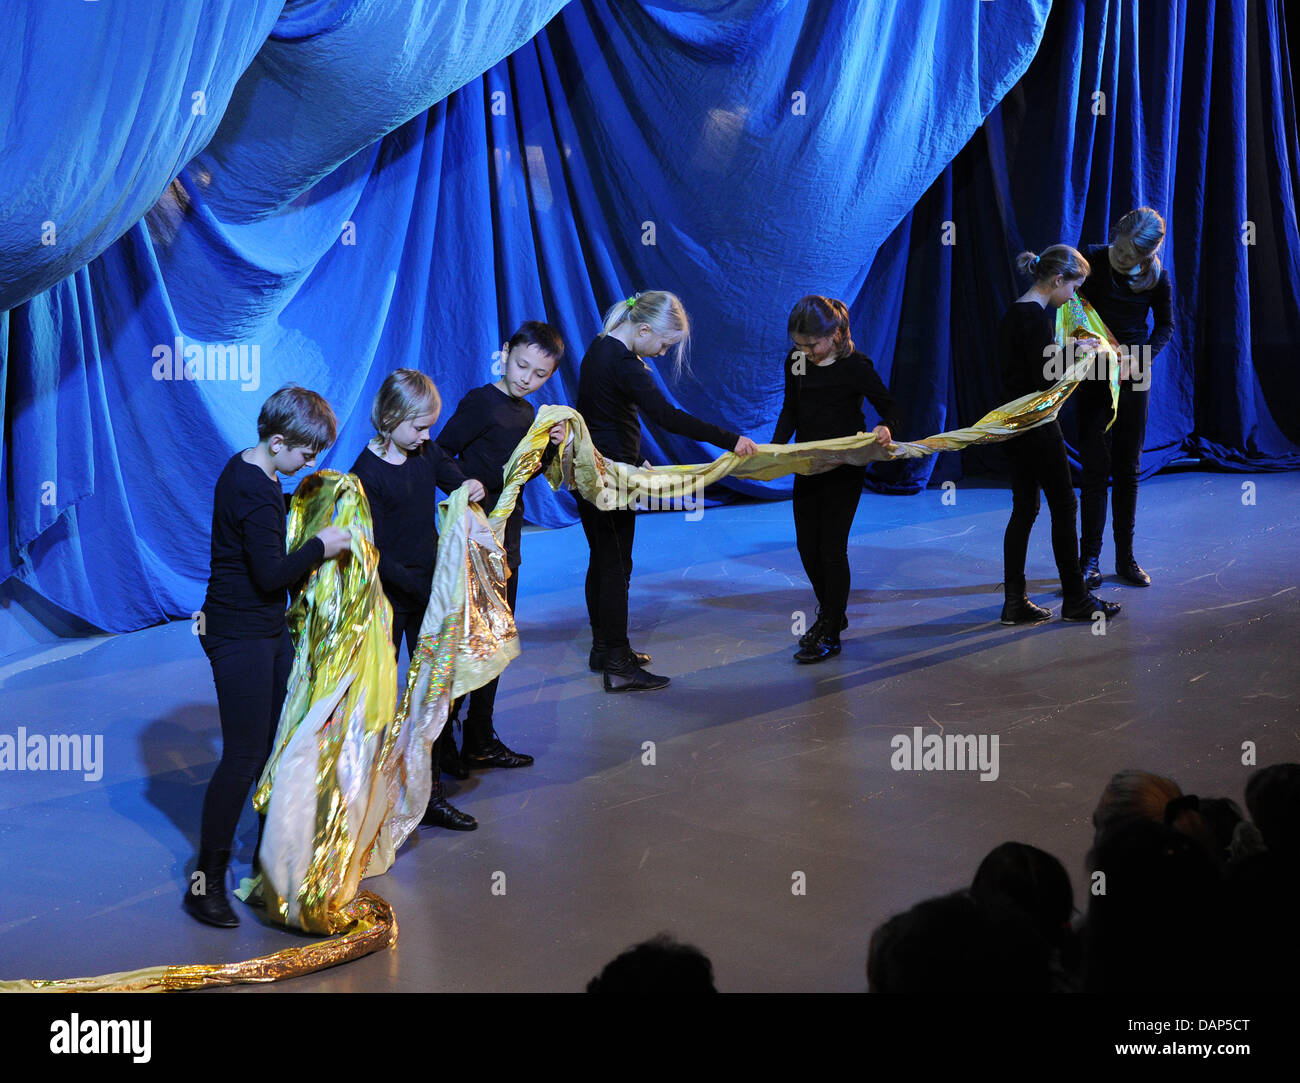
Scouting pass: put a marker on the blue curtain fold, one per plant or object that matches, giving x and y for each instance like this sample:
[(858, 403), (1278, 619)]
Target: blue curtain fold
[(103, 104), (376, 186)]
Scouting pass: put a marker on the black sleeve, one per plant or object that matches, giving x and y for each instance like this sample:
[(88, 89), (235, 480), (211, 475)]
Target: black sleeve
[(548, 453), (465, 426), (270, 568), (446, 470), (786, 420), (640, 388), (873, 387), (1162, 308)]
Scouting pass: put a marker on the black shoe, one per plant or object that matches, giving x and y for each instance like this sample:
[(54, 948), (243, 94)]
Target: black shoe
[(494, 754), (440, 813), (633, 679), (1087, 608), (1091, 568), (820, 628), (206, 899), (810, 637), (826, 646), (1128, 570), (596, 660), (449, 756), (1020, 610)]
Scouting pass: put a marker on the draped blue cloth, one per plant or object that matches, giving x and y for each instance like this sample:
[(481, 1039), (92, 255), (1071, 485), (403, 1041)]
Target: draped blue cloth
[(372, 185)]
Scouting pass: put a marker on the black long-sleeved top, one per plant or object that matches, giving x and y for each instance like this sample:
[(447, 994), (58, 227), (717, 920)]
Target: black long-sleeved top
[(614, 385), (251, 573), (826, 400), (404, 508), (1025, 333), (483, 433), (1124, 310)]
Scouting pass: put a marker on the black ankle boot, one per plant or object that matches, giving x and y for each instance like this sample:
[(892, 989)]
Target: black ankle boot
[(825, 645), (1130, 572), (813, 634), (206, 898), (821, 626), (626, 675), (1018, 609), (1087, 608), (596, 659), (441, 813), (1091, 568), (493, 753)]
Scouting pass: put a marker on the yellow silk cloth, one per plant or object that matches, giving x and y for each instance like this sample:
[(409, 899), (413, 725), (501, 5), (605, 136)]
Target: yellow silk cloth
[(326, 787), (350, 776), (351, 772)]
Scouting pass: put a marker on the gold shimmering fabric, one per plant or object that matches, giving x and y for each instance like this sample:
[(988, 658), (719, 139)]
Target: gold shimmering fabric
[(371, 926), (467, 637), (326, 788)]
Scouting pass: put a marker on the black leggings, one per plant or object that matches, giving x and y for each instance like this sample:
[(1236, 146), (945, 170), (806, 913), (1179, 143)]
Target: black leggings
[(824, 507), (252, 676), (406, 624), (1102, 453), (1038, 461), (609, 575)]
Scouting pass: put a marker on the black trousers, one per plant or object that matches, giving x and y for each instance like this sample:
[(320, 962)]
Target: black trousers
[(1039, 462), (406, 625), (1103, 454), (482, 701), (824, 507), (609, 576), (251, 676)]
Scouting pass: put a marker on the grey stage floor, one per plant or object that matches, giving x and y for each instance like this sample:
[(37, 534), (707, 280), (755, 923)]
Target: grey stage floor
[(764, 770)]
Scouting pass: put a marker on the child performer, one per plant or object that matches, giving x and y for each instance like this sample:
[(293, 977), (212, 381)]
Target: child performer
[(244, 633), (483, 433), (400, 470), (826, 380), (1026, 341), (614, 385), (1126, 282)]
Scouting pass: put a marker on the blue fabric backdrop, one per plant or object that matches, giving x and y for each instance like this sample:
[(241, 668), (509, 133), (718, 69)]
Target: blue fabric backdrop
[(373, 185)]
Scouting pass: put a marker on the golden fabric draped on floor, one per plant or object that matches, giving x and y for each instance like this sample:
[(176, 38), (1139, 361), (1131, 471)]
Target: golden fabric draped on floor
[(350, 774)]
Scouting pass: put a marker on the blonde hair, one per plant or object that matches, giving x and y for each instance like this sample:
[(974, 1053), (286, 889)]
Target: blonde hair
[(1060, 259), (1141, 232), (821, 317), (405, 394), (663, 313)]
